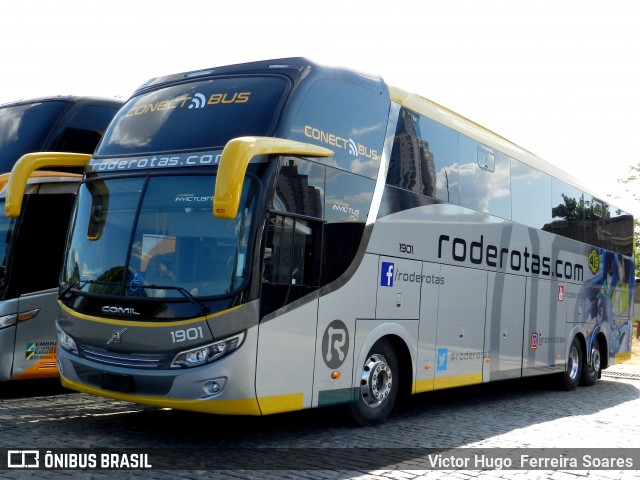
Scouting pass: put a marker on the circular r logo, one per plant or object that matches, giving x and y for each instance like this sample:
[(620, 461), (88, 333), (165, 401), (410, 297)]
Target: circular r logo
[(335, 344)]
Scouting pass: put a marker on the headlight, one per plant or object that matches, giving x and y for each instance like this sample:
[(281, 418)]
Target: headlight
[(65, 341), (207, 353)]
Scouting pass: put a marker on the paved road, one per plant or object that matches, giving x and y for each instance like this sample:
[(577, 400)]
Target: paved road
[(509, 415)]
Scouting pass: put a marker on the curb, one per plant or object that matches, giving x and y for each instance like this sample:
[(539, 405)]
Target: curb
[(622, 370), (628, 375)]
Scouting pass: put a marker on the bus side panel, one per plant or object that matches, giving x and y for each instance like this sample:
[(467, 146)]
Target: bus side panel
[(35, 347), (545, 328), (286, 350), (505, 320), (399, 288), (332, 380), (426, 357), (461, 324)]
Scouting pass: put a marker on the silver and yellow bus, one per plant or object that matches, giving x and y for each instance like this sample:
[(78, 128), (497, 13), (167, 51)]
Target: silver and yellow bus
[(280, 235), (32, 245)]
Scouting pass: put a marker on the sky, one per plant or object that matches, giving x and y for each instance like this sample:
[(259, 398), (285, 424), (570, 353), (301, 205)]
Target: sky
[(560, 78)]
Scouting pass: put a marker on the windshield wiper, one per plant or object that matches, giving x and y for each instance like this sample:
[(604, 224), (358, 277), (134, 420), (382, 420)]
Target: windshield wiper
[(204, 308), (68, 288), (81, 284)]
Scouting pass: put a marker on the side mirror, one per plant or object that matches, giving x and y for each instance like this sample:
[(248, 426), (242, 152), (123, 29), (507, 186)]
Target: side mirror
[(29, 163), (234, 161)]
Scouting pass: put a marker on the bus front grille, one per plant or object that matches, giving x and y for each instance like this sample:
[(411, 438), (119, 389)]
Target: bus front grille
[(128, 360)]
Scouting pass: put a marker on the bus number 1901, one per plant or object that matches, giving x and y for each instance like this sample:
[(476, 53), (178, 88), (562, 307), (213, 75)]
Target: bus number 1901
[(194, 333), (406, 248)]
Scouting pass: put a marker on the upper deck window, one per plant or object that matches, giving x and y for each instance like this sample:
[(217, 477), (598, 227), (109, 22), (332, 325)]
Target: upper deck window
[(348, 119), (196, 115), (24, 128)]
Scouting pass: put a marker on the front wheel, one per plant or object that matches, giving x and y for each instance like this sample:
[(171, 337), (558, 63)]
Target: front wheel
[(573, 372), (591, 369), (378, 389)]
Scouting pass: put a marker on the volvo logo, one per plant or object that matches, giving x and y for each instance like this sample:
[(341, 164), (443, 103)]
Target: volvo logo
[(116, 336), (119, 310)]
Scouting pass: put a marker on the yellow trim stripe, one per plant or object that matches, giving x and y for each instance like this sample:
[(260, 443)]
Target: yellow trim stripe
[(281, 403), (243, 406), (425, 385), (428, 385), (457, 381), (622, 357), (133, 323)]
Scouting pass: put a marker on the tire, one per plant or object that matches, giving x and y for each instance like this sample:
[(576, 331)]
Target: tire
[(571, 377), (379, 381), (591, 369)]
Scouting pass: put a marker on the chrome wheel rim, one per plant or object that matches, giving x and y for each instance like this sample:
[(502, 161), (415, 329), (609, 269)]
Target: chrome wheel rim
[(594, 365), (376, 381), (574, 363)]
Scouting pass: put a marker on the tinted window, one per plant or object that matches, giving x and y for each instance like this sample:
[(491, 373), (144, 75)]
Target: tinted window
[(607, 227), (442, 142), (7, 226), (196, 115), (567, 210), (348, 197), (617, 232), (412, 165), (300, 188), (530, 195), (485, 179), (348, 119), (424, 158), (43, 216), (84, 130), (292, 252), (24, 129)]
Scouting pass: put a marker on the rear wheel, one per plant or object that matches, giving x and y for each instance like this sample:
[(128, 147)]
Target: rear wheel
[(591, 368), (379, 380), (571, 376)]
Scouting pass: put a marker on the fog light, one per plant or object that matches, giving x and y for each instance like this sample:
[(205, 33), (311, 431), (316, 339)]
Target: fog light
[(211, 387)]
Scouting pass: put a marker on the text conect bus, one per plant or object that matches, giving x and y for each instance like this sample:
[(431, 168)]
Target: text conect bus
[(33, 244), (280, 235)]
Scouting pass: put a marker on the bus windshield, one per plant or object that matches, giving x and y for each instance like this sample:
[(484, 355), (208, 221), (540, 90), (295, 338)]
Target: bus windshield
[(24, 128), (163, 244), (196, 115)]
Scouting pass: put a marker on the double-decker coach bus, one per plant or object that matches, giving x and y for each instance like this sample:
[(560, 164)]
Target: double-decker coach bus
[(280, 235), (32, 246)]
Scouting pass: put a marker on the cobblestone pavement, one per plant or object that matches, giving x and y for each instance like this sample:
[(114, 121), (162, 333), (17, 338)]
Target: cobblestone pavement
[(509, 415)]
